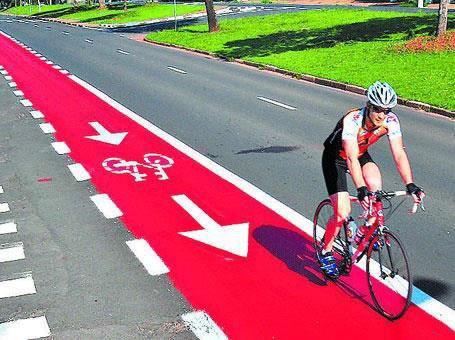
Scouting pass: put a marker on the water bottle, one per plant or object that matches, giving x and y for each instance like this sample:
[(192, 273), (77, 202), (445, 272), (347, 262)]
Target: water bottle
[(352, 229), (361, 231)]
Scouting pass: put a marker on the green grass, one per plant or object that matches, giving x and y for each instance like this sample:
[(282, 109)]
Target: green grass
[(91, 14), (353, 46)]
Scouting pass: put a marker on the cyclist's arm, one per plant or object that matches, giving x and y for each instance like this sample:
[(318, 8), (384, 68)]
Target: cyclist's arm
[(351, 148), (401, 159)]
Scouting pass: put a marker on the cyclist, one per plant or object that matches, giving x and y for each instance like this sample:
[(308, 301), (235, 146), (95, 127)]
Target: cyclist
[(346, 150)]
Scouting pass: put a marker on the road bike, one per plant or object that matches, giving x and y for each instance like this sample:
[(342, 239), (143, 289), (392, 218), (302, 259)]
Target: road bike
[(387, 265)]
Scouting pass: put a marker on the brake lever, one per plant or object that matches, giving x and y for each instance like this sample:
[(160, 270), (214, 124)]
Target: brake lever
[(415, 206)]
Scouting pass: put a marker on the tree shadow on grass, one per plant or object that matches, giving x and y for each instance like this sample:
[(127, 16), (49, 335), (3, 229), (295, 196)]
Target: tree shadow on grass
[(57, 13), (370, 30)]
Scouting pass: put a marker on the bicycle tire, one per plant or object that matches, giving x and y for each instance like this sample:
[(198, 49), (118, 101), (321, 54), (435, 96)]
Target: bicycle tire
[(323, 212), (389, 275)]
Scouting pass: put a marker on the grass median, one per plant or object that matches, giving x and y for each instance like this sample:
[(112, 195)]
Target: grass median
[(352, 46), (110, 15)]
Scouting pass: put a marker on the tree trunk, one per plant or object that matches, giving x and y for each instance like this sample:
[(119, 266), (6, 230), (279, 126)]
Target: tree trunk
[(211, 17), (102, 4), (442, 19)]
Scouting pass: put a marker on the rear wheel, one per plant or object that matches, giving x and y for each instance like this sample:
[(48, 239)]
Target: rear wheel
[(323, 213), (389, 275)]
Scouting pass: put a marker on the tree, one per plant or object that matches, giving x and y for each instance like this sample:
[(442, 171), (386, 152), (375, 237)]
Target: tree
[(442, 19), (102, 4), (211, 17)]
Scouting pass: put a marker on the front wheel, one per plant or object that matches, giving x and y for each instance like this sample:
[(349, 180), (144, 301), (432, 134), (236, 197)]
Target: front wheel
[(389, 275)]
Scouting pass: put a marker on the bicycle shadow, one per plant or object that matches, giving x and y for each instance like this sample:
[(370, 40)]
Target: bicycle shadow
[(297, 252), (291, 248)]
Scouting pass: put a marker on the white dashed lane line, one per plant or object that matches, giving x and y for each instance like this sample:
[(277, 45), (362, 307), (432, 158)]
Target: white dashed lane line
[(8, 78), (65, 33), (12, 84), (89, 41), (148, 257), (79, 172), (57, 67), (12, 252), (122, 51), (17, 287), (274, 102), (4, 207), (49, 62), (33, 328), (18, 93), (8, 228), (61, 148), (4, 72), (47, 128), (107, 207), (202, 325), (36, 114), (176, 70), (1, 189)]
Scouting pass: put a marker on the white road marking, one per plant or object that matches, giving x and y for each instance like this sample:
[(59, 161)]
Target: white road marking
[(4, 207), (18, 93), (47, 128), (38, 55), (64, 71), (148, 257), (36, 25), (107, 207), (202, 325), (34, 52), (8, 228), (4, 72), (436, 309), (17, 287), (79, 172), (1, 189), (49, 62), (36, 114), (8, 78), (61, 148), (26, 102), (65, 33), (122, 51), (89, 41), (12, 84), (57, 67), (176, 70), (1, 67), (43, 58), (274, 102), (32, 328), (12, 252)]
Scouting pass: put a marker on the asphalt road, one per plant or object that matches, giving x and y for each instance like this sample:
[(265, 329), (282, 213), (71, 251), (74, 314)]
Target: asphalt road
[(214, 108)]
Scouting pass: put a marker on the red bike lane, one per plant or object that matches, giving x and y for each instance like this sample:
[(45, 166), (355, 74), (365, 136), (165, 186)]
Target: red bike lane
[(276, 291)]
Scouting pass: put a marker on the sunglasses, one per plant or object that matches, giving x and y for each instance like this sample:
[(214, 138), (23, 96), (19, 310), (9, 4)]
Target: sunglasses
[(380, 109)]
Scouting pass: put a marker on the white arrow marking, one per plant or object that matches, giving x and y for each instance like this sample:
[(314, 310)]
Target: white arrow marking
[(231, 238), (106, 136)]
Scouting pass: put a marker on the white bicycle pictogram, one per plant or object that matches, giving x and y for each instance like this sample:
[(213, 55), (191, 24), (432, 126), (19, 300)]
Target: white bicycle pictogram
[(153, 161)]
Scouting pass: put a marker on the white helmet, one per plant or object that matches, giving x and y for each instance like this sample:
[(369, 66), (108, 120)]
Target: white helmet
[(382, 95)]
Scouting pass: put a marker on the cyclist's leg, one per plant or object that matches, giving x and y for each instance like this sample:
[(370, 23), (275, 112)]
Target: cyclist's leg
[(371, 175), (334, 171), (342, 208), (370, 172)]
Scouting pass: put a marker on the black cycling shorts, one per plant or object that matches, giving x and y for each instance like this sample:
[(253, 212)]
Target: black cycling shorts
[(335, 168)]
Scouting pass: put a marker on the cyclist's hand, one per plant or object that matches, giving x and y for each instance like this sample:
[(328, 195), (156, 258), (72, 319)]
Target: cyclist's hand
[(416, 192), (363, 196)]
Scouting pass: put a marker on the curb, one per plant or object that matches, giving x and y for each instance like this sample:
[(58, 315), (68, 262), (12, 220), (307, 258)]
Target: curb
[(312, 79)]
